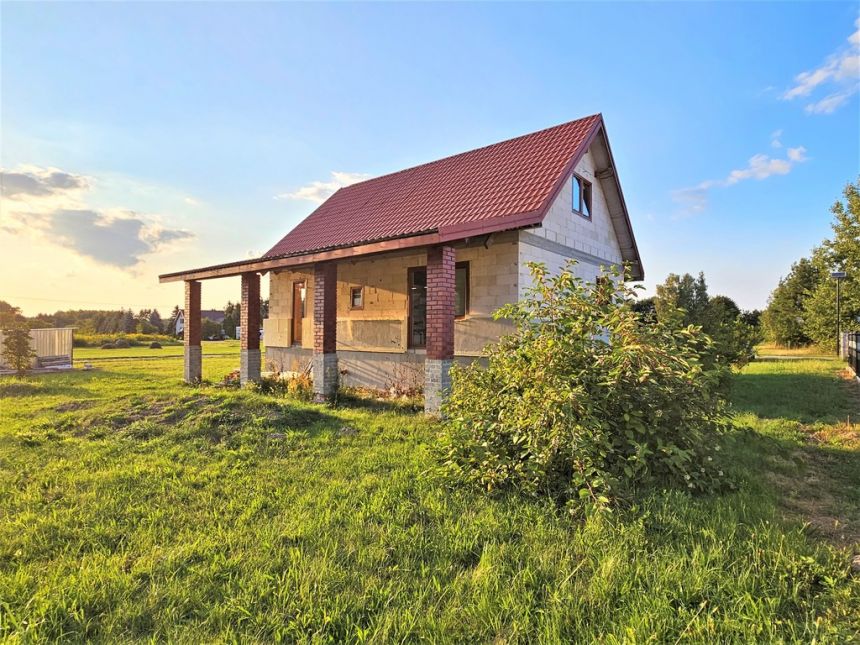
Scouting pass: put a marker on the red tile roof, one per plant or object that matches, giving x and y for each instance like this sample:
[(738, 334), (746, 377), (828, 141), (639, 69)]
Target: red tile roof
[(504, 185)]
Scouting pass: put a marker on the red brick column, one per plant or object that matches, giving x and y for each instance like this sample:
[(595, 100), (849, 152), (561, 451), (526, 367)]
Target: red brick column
[(192, 332), (441, 280), (441, 276), (249, 322), (250, 311), (325, 372)]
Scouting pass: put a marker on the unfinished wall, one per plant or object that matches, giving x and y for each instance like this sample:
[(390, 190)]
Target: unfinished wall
[(381, 324), (566, 234), (372, 370)]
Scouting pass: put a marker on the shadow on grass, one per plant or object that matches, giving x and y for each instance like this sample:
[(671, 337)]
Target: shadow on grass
[(347, 399), (13, 387), (797, 396), (814, 482)]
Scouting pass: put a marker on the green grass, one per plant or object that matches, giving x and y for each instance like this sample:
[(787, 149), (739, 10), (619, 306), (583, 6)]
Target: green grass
[(210, 348), (133, 507)]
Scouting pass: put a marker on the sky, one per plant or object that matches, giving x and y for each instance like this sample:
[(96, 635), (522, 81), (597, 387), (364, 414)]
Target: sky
[(144, 138)]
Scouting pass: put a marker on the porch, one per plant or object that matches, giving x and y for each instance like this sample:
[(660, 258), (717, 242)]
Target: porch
[(311, 311)]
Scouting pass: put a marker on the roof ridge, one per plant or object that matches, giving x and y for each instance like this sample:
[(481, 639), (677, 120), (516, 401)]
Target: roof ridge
[(466, 152)]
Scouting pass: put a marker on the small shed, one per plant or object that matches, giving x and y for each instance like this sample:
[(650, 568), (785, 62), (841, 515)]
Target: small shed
[(53, 348)]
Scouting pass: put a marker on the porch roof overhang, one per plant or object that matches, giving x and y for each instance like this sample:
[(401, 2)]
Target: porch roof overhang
[(440, 236)]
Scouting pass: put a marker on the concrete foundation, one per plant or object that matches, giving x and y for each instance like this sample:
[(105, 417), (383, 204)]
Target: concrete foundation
[(325, 375), (437, 383), (249, 367), (193, 371), (371, 370)]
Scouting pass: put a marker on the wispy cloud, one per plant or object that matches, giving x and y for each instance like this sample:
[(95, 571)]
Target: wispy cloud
[(33, 181), (319, 191), (694, 199), (50, 204), (776, 139), (838, 76)]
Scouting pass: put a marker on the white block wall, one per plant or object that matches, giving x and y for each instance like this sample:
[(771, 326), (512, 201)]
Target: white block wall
[(592, 241)]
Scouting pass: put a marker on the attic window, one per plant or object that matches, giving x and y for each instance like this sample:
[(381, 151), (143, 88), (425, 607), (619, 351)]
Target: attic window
[(581, 196)]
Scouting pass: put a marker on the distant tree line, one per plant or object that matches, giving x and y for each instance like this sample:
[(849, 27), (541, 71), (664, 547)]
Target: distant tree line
[(683, 300), (127, 321), (802, 308)]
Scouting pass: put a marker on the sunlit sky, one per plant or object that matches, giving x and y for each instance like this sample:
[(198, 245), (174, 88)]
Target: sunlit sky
[(142, 138)]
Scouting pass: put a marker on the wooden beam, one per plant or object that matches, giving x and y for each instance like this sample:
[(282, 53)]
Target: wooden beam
[(264, 264)]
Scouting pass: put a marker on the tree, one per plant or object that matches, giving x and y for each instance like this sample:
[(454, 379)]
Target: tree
[(644, 307), (683, 300), (784, 317), (127, 322), (17, 351), (232, 318), (840, 253), (9, 315), (210, 329), (682, 293), (752, 317), (156, 321)]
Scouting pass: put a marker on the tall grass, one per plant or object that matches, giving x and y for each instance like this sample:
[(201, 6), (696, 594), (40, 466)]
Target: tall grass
[(133, 507)]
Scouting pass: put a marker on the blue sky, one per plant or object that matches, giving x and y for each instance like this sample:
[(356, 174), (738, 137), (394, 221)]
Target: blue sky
[(144, 138)]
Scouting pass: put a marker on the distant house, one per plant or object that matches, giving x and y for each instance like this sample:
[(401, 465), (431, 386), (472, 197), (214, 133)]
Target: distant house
[(402, 273), (212, 314)]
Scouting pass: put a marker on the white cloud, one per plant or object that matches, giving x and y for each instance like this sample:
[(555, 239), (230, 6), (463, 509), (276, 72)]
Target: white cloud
[(50, 205), (319, 191), (840, 73), (830, 103), (694, 200), (28, 182), (797, 154), (776, 139), (191, 201)]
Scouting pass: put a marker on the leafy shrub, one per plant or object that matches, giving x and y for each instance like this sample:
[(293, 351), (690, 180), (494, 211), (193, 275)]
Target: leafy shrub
[(121, 343), (108, 346), (585, 401), (155, 345), (299, 386)]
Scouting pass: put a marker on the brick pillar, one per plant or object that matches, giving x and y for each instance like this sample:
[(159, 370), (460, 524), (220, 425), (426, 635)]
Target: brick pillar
[(441, 278), (325, 372), (192, 332), (249, 369)]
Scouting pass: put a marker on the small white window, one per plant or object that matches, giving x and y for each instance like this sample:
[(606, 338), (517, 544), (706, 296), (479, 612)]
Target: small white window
[(581, 196), (356, 298)]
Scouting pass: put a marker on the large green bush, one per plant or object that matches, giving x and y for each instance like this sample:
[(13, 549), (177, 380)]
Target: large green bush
[(585, 401)]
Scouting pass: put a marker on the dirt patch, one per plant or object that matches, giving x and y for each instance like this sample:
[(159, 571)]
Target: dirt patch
[(71, 406), (817, 480)]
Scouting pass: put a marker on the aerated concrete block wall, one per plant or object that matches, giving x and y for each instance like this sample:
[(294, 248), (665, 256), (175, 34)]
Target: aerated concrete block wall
[(567, 235), (381, 325)]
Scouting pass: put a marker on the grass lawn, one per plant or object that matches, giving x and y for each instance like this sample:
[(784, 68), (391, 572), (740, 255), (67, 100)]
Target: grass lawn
[(133, 507), (210, 348)]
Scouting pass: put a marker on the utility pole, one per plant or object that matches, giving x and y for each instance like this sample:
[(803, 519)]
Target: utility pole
[(839, 276)]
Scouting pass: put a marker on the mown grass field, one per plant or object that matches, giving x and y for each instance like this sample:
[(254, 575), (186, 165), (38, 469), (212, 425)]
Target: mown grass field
[(210, 348), (133, 507)]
